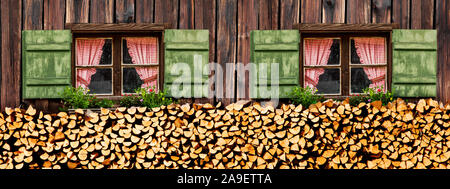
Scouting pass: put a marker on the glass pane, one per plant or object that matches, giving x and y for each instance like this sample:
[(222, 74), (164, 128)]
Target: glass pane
[(368, 77), (98, 81), (93, 52), (369, 50), (326, 81), (134, 78), (322, 52), (140, 50)]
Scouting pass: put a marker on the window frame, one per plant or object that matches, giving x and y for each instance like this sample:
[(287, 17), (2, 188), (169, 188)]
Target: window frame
[(124, 66), (75, 67), (336, 66), (346, 32), (117, 32)]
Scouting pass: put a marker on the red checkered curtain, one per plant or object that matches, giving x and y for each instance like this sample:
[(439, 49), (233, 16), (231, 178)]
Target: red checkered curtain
[(88, 53), (372, 51), (317, 53), (144, 51)]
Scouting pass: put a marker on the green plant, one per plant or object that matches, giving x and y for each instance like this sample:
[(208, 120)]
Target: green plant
[(304, 96), (101, 103), (76, 98), (130, 100), (354, 100), (150, 98), (377, 93)]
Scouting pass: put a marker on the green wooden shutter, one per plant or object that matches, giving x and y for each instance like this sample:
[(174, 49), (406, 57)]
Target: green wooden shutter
[(414, 63), (46, 63), (275, 46), (186, 46)]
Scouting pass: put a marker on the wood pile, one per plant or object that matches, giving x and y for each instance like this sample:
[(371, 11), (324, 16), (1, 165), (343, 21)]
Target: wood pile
[(244, 135)]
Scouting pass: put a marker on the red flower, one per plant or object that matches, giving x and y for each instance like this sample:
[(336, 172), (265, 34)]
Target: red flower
[(379, 90), (150, 90)]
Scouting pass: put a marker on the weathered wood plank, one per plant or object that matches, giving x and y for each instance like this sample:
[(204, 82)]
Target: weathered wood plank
[(32, 20), (381, 11), (311, 11), (32, 14), (144, 11), (166, 11), (54, 11), (358, 11), (247, 21), (422, 14), (101, 11), (227, 32), (401, 13), (289, 13), (77, 11), (205, 18), (125, 11), (11, 19), (333, 11), (446, 84), (101, 28), (187, 14), (345, 27), (443, 28), (268, 14)]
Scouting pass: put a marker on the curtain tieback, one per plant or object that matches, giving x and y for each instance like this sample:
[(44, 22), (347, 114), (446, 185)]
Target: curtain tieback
[(149, 79), (83, 81), (311, 80), (379, 78)]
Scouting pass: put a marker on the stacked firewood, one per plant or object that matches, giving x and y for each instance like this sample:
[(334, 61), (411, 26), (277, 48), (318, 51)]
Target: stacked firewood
[(244, 135)]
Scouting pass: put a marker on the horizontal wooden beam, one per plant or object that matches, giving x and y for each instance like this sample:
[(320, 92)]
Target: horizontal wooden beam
[(345, 27), (122, 27)]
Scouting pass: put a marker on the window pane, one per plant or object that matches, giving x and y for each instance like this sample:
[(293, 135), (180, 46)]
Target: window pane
[(321, 52), (93, 52), (98, 81), (326, 81), (368, 77), (134, 78), (140, 50), (370, 50), (359, 80)]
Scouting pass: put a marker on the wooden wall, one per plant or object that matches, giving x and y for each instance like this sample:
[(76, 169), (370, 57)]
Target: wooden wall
[(229, 23)]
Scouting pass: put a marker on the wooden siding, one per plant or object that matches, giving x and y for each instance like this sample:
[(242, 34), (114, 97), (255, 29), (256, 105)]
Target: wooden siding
[(229, 23)]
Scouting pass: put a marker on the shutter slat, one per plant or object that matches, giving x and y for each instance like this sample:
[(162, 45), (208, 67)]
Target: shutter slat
[(47, 81), (49, 47), (186, 46), (277, 47), (416, 46), (274, 46), (414, 65), (46, 62)]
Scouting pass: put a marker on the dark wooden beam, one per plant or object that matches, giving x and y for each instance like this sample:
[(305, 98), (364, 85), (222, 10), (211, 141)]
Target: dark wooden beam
[(115, 28), (345, 27)]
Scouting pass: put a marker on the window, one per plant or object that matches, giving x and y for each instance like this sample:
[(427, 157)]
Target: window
[(114, 65), (343, 60), (368, 65), (322, 64)]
